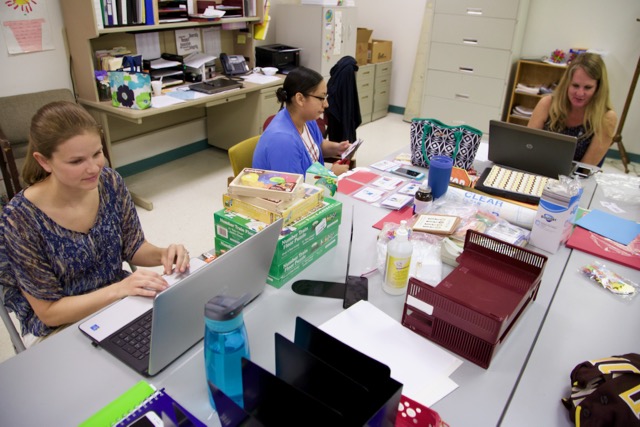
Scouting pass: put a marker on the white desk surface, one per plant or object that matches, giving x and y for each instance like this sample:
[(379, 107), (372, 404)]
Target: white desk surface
[(64, 380), (584, 322)]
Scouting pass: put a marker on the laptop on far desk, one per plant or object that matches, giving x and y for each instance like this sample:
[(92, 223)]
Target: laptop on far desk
[(214, 86), (524, 161), (176, 315)]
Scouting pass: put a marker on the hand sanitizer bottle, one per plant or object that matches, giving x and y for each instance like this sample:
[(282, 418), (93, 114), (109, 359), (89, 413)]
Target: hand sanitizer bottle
[(399, 250), (225, 344)]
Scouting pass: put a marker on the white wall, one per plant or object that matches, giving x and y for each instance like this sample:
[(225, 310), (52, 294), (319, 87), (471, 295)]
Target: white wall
[(608, 26), (34, 72), (551, 24)]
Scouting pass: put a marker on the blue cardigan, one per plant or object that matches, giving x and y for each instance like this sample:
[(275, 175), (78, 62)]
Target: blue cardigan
[(281, 148)]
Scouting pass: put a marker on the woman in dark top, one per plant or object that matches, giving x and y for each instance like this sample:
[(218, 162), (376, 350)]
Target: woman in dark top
[(580, 107)]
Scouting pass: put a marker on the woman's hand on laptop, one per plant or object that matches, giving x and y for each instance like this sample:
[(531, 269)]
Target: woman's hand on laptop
[(142, 282), (177, 255)]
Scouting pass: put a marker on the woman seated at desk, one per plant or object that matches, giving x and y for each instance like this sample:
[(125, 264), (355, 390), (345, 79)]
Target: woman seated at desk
[(63, 238), (580, 107), (293, 141)]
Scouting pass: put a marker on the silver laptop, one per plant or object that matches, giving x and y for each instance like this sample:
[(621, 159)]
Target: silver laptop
[(175, 317), (531, 150)]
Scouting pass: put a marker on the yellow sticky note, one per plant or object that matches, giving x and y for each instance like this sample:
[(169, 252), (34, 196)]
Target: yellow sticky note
[(242, 39)]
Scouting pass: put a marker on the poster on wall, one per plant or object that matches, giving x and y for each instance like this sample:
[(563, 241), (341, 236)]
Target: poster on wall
[(26, 26)]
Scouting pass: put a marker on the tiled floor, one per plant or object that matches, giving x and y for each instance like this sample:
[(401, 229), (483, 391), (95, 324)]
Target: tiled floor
[(186, 192)]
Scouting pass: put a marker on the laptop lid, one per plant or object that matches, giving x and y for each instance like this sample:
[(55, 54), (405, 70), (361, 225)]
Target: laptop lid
[(178, 311), (218, 85), (532, 150)]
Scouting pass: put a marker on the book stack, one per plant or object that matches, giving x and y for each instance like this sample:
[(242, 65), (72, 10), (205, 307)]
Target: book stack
[(257, 198)]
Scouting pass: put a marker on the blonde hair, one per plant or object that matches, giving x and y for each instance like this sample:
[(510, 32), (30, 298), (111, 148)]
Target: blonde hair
[(593, 65), (52, 125)]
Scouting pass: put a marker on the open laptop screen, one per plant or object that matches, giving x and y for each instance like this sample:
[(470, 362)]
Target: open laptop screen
[(531, 150)]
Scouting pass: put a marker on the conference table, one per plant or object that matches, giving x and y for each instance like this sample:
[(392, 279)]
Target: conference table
[(65, 379)]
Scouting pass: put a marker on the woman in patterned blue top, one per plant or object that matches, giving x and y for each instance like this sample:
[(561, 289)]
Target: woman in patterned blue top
[(580, 107), (64, 238)]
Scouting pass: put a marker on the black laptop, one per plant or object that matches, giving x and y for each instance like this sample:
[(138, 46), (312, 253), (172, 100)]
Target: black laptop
[(211, 87), (525, 159)]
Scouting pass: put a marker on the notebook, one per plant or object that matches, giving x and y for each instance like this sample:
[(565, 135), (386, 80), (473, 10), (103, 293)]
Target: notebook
[(354, 288), (524, 161), (176, 315), (211, 87)]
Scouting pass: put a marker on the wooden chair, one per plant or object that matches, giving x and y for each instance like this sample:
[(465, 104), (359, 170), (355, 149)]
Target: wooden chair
[(15, 122), (241, 155)]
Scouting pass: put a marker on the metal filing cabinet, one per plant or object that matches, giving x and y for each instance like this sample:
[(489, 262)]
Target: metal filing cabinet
[(381, 89), (474, 44), (364, 82)]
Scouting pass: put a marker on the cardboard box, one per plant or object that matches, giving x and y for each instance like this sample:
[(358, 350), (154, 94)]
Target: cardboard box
[(553, 223), (236, 228), (362, 45), (379, 51), (284, 270), (300, 244), (269, 211)]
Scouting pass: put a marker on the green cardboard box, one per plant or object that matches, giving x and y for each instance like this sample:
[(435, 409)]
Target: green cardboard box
[(236, 228), (280, 273)]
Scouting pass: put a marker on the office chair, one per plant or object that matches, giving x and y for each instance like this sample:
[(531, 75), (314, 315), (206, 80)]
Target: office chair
[(14, 335), (15, 121), (241, 155)]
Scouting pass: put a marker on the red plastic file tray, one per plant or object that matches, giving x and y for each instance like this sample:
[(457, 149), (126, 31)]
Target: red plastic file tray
[(471, 311)]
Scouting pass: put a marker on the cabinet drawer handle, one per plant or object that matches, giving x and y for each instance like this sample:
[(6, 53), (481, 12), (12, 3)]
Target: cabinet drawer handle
[(470, 41), (466, 69), (474, 11), (462, 96)]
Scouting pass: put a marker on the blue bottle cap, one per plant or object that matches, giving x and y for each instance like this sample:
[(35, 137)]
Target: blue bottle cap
[(222, 307)]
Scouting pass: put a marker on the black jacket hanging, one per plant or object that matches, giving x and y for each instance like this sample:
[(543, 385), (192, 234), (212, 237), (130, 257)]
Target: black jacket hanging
[(343, 114)]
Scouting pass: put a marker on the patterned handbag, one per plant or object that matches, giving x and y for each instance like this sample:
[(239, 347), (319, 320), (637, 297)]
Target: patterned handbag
[(430, 137), (130, 88)]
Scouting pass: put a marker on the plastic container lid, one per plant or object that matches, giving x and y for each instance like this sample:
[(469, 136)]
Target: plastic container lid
[(222, 308)]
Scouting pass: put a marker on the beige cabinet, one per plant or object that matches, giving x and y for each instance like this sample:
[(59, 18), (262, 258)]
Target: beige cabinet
[(472, 48), (364, 82), (381, 90)]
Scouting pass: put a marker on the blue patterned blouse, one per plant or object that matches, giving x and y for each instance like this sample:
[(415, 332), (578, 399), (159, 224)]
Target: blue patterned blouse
[(50, 262)]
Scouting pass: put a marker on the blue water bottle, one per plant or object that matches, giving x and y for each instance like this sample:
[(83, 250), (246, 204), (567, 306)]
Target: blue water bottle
[(225, 344)]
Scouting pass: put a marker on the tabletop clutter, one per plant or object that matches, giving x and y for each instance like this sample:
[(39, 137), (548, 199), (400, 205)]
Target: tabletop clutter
[(469, 311)]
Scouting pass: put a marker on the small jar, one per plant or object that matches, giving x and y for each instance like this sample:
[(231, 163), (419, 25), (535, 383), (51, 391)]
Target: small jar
[(422, 200)]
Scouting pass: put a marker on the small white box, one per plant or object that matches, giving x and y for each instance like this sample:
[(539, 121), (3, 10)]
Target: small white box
[(553, 223)]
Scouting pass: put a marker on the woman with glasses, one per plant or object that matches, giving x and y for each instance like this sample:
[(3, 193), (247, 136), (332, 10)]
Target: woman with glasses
[(293, 141)]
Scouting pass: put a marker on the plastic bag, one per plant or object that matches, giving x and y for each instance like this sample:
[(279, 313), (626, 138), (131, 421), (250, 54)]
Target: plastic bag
[(624, 188), (610, 280)]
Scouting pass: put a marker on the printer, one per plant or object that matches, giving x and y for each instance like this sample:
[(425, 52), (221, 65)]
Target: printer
[(284, 58)]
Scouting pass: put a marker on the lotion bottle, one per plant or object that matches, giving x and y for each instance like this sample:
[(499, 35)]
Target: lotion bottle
[(398, 261)]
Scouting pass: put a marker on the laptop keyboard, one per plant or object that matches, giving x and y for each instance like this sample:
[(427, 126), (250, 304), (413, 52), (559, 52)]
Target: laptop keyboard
[(135, 339)]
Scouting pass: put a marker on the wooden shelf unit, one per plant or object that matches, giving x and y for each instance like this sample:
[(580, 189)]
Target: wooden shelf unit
[(531, 73), (84, 38)]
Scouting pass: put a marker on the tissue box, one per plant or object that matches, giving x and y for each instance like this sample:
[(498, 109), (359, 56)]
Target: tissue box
[(553, 223)]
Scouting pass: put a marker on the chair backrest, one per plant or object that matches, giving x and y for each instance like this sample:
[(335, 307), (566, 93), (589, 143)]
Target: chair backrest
[(14, 335), (16, 112), (241, 154)]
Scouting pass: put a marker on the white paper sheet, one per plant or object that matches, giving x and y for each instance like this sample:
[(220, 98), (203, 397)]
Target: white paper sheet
[(164, 100), (420, 365)]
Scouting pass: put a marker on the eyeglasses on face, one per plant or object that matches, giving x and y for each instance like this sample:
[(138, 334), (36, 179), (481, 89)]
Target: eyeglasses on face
[(319, 98)]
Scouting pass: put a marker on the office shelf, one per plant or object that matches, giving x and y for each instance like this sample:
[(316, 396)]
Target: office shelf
[(533, 74)]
